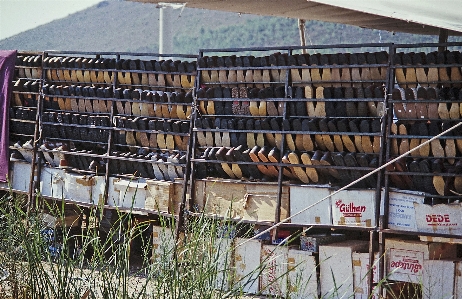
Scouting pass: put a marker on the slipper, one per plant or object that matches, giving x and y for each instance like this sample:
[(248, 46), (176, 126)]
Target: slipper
[(297, 126), (285, 160), (404, 144), (438, 180), (326, 138), (365, 160), (225, 134), (269, 136), (453, 96), (351, 109), (240, 76), (354, 70), (301, 174), (254, 171), (295, 73), (289, 137), (424, 151), (374, 71), (376, 128), (422, 108), (307, 141), (310, 171), (329, 105), (425, 167), (414, 141), (315, 73), (449, 144), (411, 77), (235, 168), (345, 75), (335, 71), (320, 108), (443, 71), (363, 110), (277, 136), (366, 76), (260, 139), (357, 138), (220, 155), (436, 147), (326, 73), (394, 149), (344, 174), (399, 71), (274, 156), (417, 180), (371, 106), (455, 73), (418, 60), (350, 161), (263, 156), (253, 154), (239, 170), (331, 124), (342, 126), (310, 110)]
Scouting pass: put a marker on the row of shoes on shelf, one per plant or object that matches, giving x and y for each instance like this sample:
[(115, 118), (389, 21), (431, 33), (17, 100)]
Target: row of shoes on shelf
[(430, 175), (76, 127), (257, 106), (165, 134), (22, 120), (129, 71), (326, 134), (429, 69), (316, 167), (220, 69), (30, 67), (405, 137)]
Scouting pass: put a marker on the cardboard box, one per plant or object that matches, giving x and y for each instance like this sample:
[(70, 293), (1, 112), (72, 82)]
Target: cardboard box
[(304, 196), (125, 193), (361, 271), (247, 265), (401, 211), (163, 244), (164, 196), (336, 268), (404, 258), (21, 176), (83, 188), (440, 218), (273, 279), (302, 281), (223, 249), (438, 279), (52, 182), (311, 242), (354, 208), (252, 201), (458, 279)]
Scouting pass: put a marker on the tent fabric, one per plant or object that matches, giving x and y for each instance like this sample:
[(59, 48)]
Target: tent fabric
[(7, 62), (411, 16)]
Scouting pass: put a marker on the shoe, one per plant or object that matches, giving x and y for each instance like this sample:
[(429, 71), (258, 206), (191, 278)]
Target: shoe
[(299, 171), (331, 124), (326, 138), (314, 130), (343, 126)]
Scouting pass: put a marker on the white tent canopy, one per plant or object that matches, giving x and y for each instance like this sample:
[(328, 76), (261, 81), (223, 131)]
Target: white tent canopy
[(411, 16)]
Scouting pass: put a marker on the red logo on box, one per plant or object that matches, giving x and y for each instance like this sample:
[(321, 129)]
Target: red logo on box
[(350, 210), (439, 220)]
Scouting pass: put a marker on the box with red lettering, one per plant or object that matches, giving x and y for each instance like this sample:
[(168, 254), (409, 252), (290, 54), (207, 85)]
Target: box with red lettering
[(440, 218)]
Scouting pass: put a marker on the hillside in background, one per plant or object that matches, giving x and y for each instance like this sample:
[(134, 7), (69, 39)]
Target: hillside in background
[(124, 26)]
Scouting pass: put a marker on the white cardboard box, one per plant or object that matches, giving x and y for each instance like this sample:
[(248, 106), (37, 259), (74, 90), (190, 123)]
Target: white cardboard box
[(440, 218), (52, 182), (274, 275), (304, 196), (21, 176), (302, 280), (247, 264), (404, 258), (223, 250), (438, 279), (361, 270), (83, 188), (401, 211), (354, 208), (125, 193), (458, 279), (163, 243), (336, 268)]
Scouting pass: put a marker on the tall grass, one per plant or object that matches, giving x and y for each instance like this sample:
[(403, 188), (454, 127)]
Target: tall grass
[(90, 262)]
